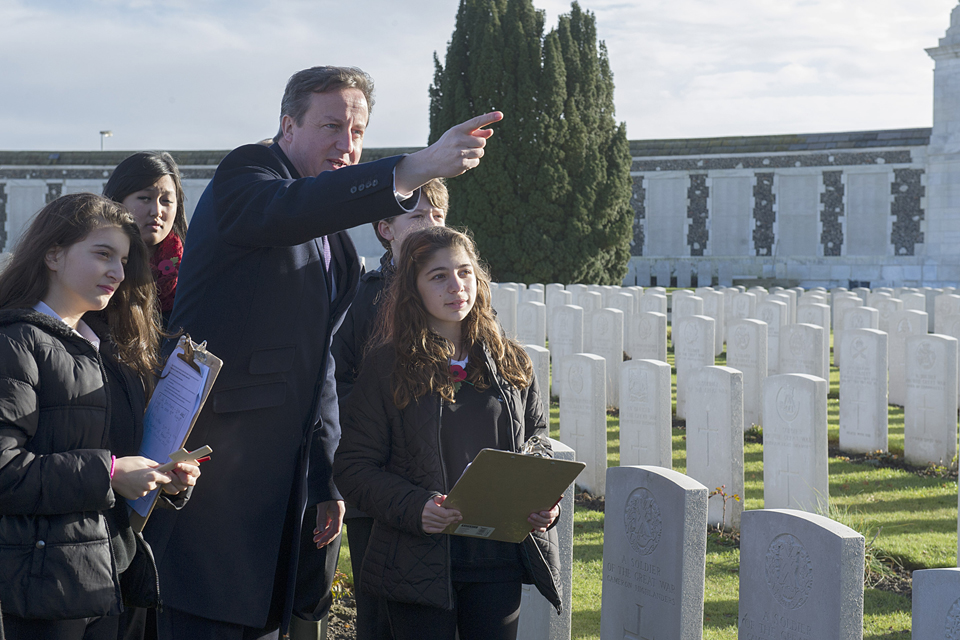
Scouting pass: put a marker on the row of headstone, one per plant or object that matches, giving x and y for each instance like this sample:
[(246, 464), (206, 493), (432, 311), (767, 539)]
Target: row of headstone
[(801, 574)]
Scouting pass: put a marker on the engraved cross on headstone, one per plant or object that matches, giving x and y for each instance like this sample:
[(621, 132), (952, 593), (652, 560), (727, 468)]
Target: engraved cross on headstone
[(707, 430), (924, 409), (628, 635), (640, 448), (785, 470)]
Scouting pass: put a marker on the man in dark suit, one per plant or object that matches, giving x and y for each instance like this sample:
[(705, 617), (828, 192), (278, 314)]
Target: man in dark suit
[(267, 274)]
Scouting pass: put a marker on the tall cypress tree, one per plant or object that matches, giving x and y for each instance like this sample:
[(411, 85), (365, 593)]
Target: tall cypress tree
[(538, 204)]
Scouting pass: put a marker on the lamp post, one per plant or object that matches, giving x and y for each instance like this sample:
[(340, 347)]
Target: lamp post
[(104, 134)]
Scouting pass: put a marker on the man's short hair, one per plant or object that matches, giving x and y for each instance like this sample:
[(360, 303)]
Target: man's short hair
[(303, 84), (435, 191)]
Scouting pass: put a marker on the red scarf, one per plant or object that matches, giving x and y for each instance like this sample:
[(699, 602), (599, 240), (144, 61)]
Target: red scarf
[(165, 265)]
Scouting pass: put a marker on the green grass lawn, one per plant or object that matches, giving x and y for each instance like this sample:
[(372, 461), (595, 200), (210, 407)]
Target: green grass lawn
[(913, 517)]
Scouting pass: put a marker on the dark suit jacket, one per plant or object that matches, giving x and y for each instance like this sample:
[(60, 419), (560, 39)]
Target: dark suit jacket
[(253, 285)]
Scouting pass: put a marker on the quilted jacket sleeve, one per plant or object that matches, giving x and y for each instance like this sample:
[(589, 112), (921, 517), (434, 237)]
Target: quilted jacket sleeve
[(360, 465), (34, 483)]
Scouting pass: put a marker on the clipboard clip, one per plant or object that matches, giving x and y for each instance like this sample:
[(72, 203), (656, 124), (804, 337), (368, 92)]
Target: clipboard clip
[(537, 446), (190, 353)]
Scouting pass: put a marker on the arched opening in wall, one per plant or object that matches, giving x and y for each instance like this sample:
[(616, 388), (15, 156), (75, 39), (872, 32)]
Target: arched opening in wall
[(859, 283)]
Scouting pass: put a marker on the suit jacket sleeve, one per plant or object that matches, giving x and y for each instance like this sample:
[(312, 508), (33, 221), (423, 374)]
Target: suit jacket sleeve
[(261, 205), (326, 437)]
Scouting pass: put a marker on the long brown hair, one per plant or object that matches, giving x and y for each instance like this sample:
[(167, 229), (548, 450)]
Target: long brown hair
[(131, 315), (422, 354)]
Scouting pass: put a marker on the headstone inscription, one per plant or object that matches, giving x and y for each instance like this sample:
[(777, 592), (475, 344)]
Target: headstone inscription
[(538, 618), (946, 304), (747, 353), (795, 472), (863, 392), (692, 349), (903, 324), (645, 410), (583, 417), (715, 440), (801, 577), (654, 554), (567, 339), (742, 305), (648, 337), (936, 604), (930, 411)]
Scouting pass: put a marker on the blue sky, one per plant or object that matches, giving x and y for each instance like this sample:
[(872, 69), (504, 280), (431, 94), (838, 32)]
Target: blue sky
[(209, 74)]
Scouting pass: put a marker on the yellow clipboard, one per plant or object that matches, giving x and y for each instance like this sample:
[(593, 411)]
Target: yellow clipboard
[(197, 358), (500, 489)]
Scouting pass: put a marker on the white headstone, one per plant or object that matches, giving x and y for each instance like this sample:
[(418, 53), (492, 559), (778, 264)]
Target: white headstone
[(903, 324), (541, 369), (742, 306), (654, 555), (885, 308), (648, 337), (801, 350), (645, 414), (774, 314), (795, 474), (566, 340), (946, 304), (931, 296), (583, 417), (913, 301), (863, 392), (801, 577), (692, 350), (626, 303), (930, 411), (747, 353), (608, 344), (505, 301), (819, 315), (840, 307), (713, 308), (539, 619), (555, 298), (653, 302), (591, 301), (715, 440), (532, 322), (936, 604)]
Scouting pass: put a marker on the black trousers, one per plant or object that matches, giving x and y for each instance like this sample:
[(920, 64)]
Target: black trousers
[(372, 620), (482, 611), (102, 628)]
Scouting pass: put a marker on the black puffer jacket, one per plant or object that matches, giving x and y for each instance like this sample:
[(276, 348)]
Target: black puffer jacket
[(389, 465), (56, 557)]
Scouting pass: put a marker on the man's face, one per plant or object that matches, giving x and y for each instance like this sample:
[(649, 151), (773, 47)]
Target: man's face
[(331, 135), (425, 215)]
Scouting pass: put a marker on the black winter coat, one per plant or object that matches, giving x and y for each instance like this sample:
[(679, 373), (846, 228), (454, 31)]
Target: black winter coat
[(388, 464), (56, 557)]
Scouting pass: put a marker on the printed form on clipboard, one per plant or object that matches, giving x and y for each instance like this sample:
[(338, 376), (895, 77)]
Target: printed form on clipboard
[(181, 391)]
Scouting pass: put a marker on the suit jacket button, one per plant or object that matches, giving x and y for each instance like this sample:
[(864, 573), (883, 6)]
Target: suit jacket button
[(353, 189), (41, 544), (369, 183), (359, 187), (374, 182)]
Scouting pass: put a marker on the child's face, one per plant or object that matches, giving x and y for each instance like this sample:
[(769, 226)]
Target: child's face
[(85, 275), (447, 284), (425, 215)]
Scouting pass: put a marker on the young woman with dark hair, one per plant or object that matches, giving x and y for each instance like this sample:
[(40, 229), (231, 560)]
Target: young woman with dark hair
[(148, 185), (78, 351), (441, 384)]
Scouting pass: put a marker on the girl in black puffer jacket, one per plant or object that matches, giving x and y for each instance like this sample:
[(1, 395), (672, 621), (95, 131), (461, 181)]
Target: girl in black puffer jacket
[(78, 339), (441, 384)]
